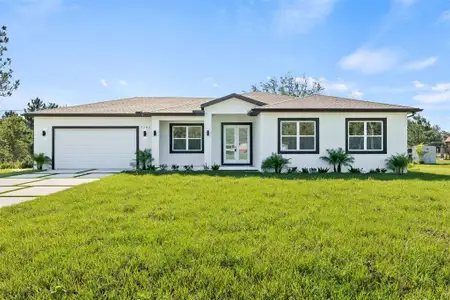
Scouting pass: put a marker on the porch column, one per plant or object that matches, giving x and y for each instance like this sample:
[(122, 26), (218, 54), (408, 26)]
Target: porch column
[(155, 140), (208, 139)]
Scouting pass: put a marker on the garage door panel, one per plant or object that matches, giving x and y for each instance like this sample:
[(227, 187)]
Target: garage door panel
[(111, 148)]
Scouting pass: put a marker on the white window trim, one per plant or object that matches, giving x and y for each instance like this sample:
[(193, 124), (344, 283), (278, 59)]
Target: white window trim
[(365, 136), (187, 138), (298, 136)]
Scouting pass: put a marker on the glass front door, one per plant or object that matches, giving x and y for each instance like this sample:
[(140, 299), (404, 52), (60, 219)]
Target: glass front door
[(236, 144)]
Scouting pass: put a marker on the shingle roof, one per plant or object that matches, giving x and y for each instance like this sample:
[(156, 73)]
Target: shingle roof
[(191, 105), (322, 102)]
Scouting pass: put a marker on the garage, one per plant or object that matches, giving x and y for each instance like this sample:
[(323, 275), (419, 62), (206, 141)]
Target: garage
[(94, 147)]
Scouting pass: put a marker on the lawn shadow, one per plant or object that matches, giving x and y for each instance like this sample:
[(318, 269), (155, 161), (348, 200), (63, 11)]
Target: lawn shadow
[(412, 175)]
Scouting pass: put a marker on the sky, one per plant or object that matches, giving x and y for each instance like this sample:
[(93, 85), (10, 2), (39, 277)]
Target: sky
[(81, 51)]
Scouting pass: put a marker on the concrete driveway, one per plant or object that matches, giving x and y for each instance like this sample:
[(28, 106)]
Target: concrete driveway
[(25, 187)]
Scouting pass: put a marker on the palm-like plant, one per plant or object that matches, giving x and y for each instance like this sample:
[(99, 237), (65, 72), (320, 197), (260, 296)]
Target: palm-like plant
[(275, 162), (143, 160), (338, 158), (398, 162), (41, 159)]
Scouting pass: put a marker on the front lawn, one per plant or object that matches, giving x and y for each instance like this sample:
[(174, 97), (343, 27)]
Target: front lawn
[(245, 236)]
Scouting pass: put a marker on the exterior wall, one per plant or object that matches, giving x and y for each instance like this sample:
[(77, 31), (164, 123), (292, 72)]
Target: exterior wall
[(332, 135), (181, 159), (43, 144), (265, 134), (216, 134)]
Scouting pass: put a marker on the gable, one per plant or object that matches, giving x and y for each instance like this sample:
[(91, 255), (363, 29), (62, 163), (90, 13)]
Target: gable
[(232, 104)]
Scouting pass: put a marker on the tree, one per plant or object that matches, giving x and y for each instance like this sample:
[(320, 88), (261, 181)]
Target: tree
[(420, 131), (7, 84), (289, 85), (36, 105), (15, 138), (9, 114)]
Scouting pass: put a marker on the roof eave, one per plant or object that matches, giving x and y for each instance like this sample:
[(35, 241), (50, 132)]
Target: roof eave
[(257, 111), (136, 114)]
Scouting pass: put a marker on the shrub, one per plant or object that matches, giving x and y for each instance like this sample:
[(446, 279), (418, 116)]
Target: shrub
[(144, 160), (312, 170), (398, 163), (275, 162), (323, 170), (163, 167), (305, 170), (354, 170), (292, 170), (338, 158), (206, 167), (420, 150), (175, 167), (41, 159), (215, 167), (188, 167)]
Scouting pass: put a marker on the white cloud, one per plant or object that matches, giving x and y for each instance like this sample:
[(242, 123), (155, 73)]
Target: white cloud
[(357, 94), (123, 82), (104, 82), (420, 64), (300, 16), (445, 16), (419, 84), (368, 61), (441, 87), (433, 98)]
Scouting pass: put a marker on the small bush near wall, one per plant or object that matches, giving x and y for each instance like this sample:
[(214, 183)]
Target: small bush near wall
[(41, 159), (215, 167), (275, 162), (323, 170), (206, 167), (189, 167), (163, 167), (354, 170), (292, 170), (144, 160), (338, 158), (398, 163), (175, 167)]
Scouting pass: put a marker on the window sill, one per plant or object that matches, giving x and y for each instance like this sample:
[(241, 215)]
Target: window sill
[(299, 152), (186, 152), (366, 152)]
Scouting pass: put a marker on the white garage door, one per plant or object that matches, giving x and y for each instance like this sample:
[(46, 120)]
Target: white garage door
[(96, 148)]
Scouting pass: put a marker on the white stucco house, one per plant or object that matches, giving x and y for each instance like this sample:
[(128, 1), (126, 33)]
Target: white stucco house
[(237, 131)]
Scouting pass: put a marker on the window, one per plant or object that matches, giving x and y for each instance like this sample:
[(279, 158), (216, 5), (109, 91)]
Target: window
[(366, 136), (186, 138), (298, 136)]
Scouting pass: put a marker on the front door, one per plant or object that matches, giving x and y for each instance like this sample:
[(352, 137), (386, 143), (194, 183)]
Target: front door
[(236, 144)]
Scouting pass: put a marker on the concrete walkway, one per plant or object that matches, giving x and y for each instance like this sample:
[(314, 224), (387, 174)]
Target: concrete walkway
[(25, 187)]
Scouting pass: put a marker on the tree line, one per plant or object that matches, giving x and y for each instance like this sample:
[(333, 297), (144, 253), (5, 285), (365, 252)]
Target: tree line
[(16, 136)]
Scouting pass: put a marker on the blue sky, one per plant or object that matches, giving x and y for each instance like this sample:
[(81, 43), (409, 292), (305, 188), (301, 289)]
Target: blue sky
[(79, 51)]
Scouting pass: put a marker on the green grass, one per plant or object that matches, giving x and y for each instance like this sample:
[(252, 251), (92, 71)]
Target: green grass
[(12, 172), (243, 236)]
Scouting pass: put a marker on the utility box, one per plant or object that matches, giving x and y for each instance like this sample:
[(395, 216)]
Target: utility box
[(428, 158)]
